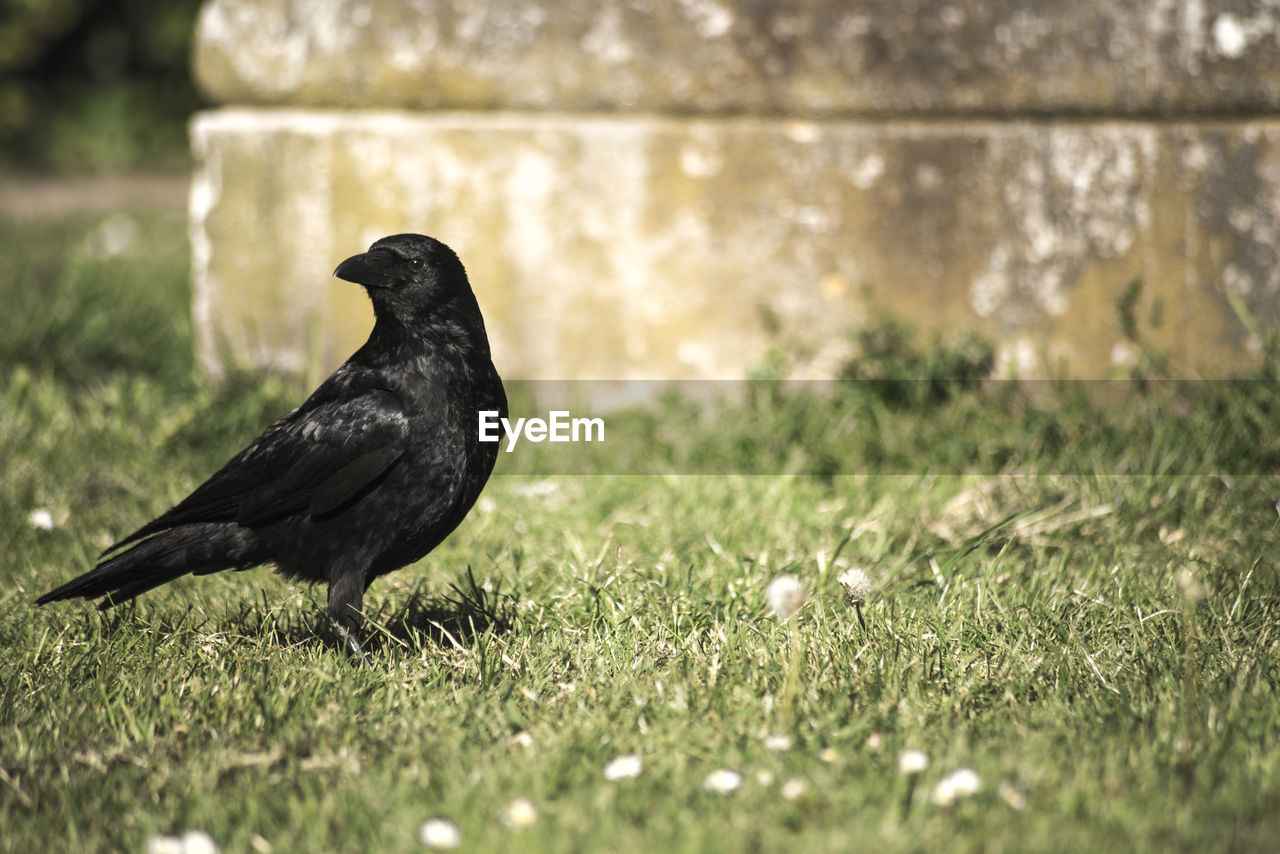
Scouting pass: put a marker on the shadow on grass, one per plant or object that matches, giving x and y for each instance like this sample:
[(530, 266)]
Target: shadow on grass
[(452, 620)]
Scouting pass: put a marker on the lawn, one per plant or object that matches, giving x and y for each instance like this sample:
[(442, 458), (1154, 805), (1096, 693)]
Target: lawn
[(1074, 594)]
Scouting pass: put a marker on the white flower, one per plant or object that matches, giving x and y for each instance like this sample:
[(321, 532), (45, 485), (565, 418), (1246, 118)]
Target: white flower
[(722, 780), (912, 762), (764, 777), (856, 584), (624, 767), (164, 844), (191, 842), (794, 789), (958, 784), (965, 781), (777, 741), (829, 754), (785, 595), (198, 842), (440, 833), (42, 519), (521, 813), (943, 794), (522, 739), (874, 742)]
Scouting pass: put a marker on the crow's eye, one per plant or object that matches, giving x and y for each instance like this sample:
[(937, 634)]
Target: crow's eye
[(415, 263)]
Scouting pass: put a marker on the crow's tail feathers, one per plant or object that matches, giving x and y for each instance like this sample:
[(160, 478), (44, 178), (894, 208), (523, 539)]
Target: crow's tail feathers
[(199, 549)]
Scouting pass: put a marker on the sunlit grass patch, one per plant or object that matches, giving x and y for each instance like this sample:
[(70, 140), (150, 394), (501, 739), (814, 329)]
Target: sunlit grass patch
[(1073, 602)]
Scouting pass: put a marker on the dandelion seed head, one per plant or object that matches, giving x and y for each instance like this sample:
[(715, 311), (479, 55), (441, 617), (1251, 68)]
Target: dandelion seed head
[(722, 781), (521, 813), (624, 767), (440, 833), (1193, 589), (912, 762), (856, 584), (794, 789), (785, 595)]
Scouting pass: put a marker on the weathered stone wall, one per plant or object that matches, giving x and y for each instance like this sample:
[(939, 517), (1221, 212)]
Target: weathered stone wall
[(667, 190), (798, 57)]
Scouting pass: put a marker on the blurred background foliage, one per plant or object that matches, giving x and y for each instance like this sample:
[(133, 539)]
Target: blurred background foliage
[(93, 86)]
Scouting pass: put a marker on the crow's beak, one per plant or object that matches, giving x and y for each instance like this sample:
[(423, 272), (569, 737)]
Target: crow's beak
[(358, 269)]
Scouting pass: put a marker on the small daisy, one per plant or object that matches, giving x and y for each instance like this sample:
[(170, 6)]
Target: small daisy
[(198, 842), (624, 767), (722, 781), (440, 833), (785, 595), (191, 842), (777, 742), (164, 844), (521, 813), (912, 762), (794, 789), (960, 783)]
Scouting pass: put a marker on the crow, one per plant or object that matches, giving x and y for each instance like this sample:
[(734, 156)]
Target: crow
[(371, 473)]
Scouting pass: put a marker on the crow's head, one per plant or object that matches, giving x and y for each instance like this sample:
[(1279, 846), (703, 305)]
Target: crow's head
[(408, 275)]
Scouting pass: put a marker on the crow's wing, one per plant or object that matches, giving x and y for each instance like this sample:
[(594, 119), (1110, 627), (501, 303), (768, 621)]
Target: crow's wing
[(313, 460)]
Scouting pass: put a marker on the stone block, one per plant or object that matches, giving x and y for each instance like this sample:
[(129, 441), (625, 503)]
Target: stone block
[(633, 247), (807, 58)]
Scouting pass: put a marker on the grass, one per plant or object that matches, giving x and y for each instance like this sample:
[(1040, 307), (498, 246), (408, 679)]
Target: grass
[(1075, 595)]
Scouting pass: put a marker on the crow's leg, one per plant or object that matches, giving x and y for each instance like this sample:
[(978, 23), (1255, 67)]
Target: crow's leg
[(346, 610)]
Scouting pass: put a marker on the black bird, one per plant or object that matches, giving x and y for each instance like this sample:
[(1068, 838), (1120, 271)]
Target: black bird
[(371, 473)]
